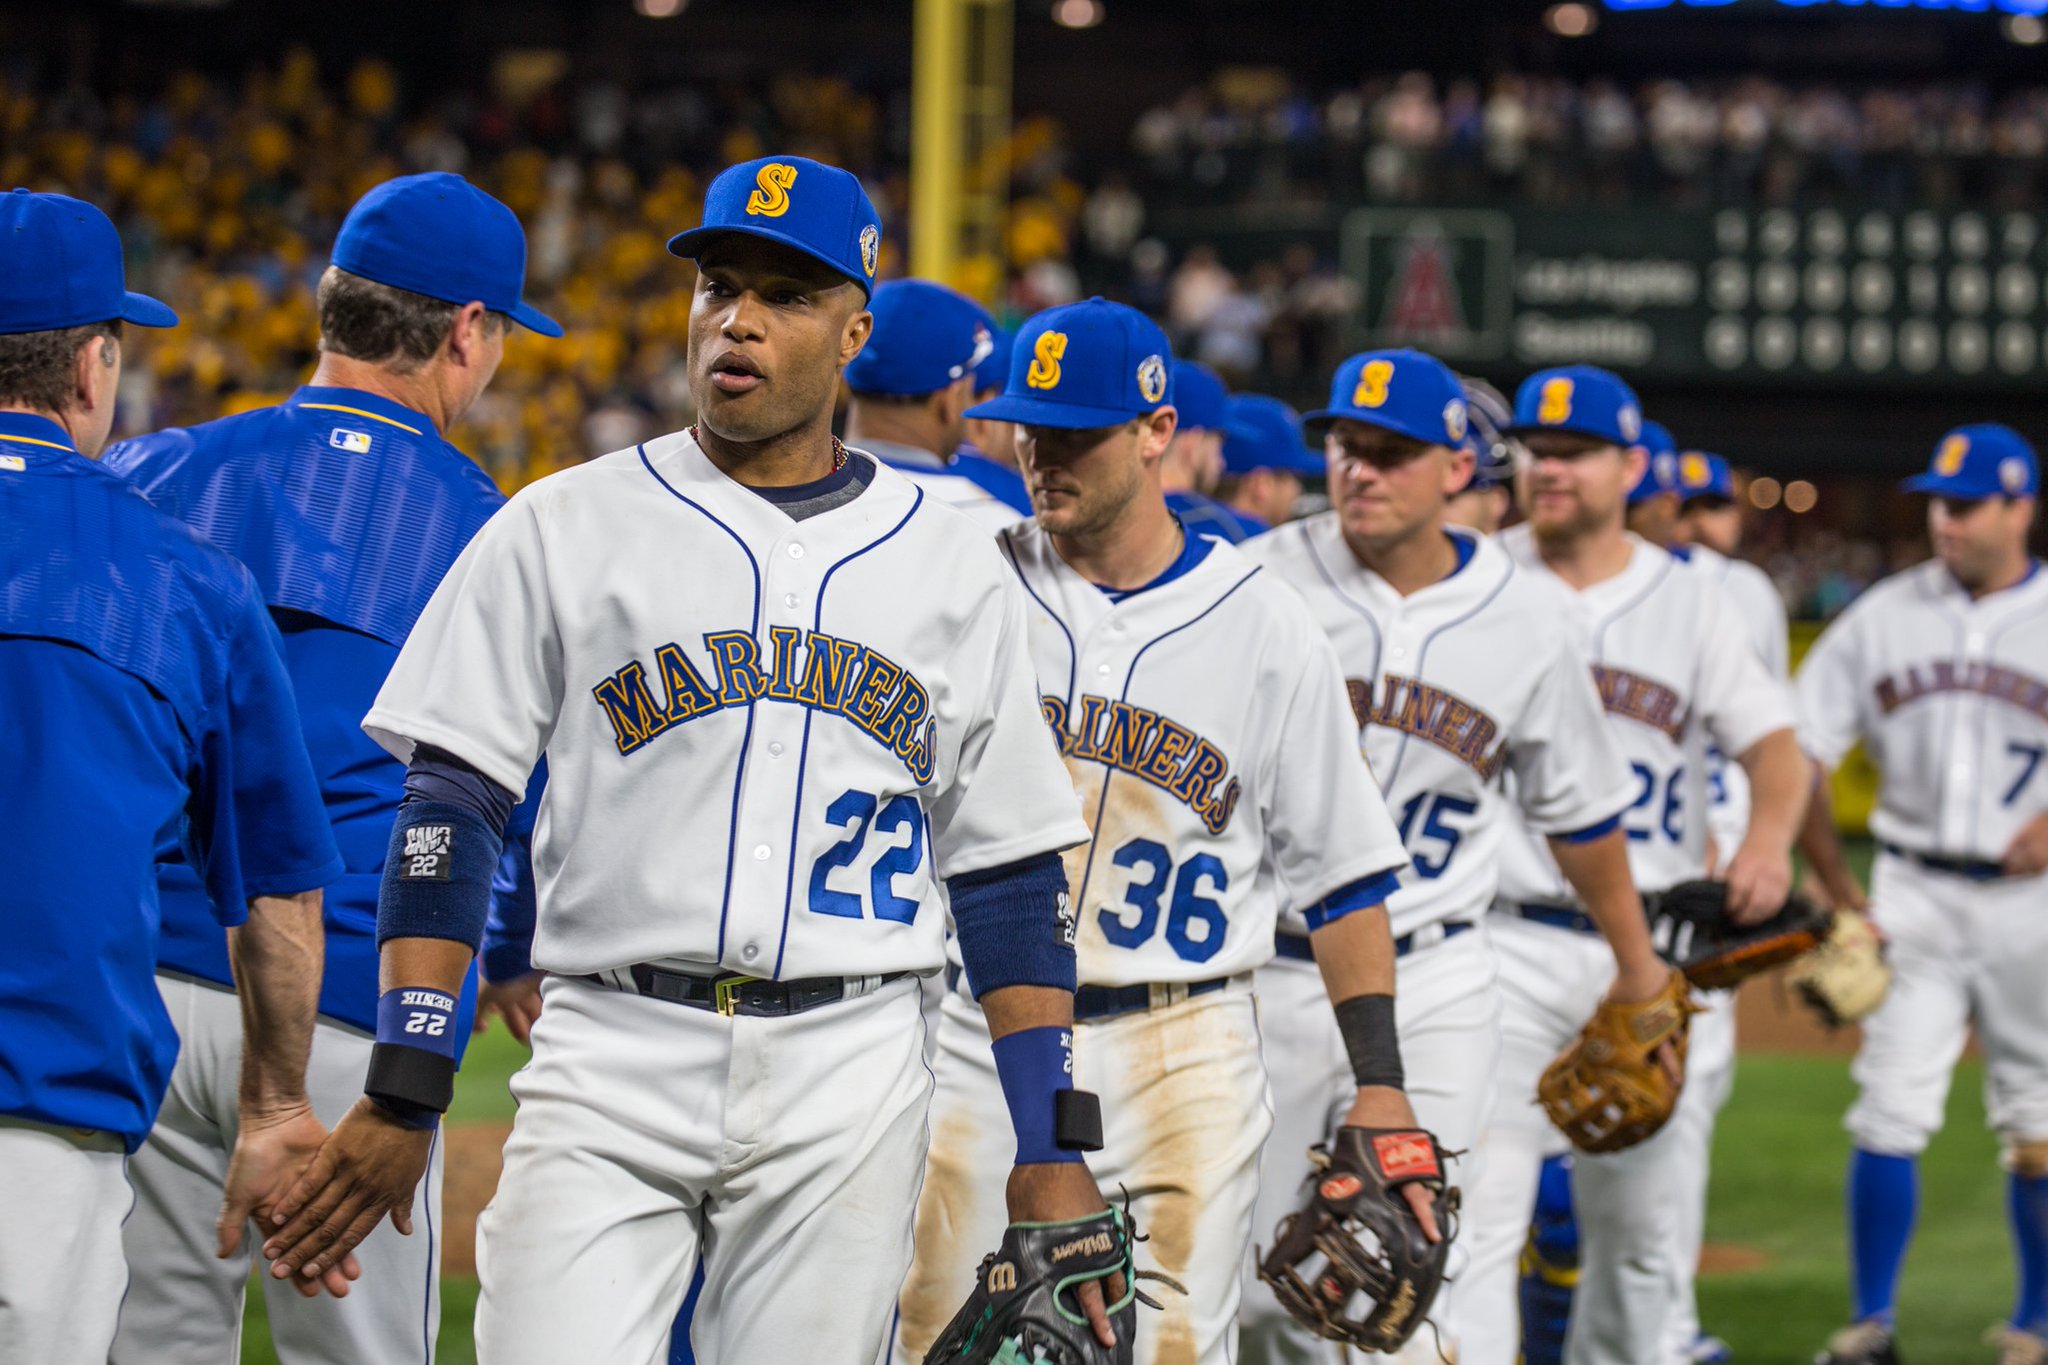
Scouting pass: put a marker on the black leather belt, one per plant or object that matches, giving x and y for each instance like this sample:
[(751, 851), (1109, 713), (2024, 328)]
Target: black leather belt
[(1296, 946), (1556, 916), (729, 993), (1956, 867), (1106, 1002)]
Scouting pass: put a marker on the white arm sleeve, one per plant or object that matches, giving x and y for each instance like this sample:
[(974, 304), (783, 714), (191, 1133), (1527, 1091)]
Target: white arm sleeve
[(1010, 796), (1739, 701), (1569, 772), (481, 673), (1830, 697), (1326, 822)]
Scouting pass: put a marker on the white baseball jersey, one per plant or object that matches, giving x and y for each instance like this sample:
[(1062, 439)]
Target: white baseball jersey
[(767, 739), (938, 478), (1675, 669), (1480, 675), (1950, 695), (1759, 606), (1205, 724)]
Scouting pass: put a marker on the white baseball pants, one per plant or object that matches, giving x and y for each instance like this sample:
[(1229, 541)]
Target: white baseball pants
[(64, 1194)]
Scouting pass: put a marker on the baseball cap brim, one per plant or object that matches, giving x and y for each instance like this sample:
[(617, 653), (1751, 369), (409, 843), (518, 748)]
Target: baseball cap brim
[(144, 311), (1323, 417), (1949, 488), (533, 320), (1590, 433), (1044, 412), (689, 244)]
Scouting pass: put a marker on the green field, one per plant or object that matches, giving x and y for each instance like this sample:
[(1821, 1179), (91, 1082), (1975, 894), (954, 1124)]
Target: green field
[(1777, 1188)]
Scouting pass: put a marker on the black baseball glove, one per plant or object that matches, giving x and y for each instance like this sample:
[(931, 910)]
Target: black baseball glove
[(1691, 927), (1353, 1265), (1024, 1307)]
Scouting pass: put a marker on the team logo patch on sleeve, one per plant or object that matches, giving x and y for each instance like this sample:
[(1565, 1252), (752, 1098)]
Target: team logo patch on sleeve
[(429, 850)]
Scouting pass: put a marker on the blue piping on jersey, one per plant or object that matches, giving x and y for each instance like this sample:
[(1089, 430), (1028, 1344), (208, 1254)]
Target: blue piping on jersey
[(1088, 867), (1665, 570), (747, 735), (1990, 642), (1590, 832), (1422, 650), (1073, 653), (803, 756), (1378, 641)]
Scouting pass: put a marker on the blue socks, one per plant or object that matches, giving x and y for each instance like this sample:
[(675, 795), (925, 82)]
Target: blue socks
[(2027, 1205), (1884, 1195)]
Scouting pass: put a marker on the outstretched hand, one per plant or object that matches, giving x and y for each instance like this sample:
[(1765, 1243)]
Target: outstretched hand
[(369, 1166)]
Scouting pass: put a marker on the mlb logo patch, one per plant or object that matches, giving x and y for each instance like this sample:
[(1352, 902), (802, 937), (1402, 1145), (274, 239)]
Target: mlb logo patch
[(14, 462), (354, 442), (428, 852)]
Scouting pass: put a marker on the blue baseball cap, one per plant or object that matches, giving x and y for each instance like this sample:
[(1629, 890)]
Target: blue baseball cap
[(1265, 433), (1983, 460), (437, 234), (60, 266), (1088, 364), (1660, 470), (1582, 399), (994, 368), (1701, 475), (806, 205), (1405, 391), (1199, 397), (925, 337)]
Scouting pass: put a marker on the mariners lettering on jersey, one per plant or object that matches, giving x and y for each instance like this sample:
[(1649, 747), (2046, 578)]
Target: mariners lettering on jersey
[(1434, 716), (1135, 740), (1624, 693), (807, 667), (1945, 675)]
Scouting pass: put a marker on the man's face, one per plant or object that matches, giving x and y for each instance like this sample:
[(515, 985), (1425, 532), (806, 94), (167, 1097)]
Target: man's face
[(1578, 484), (1655, 519), (1716, 525), (1386, 486), (1082, 481), (1200, 453), (770, 329), (1977, 538), (1478, 509), (997, 440)]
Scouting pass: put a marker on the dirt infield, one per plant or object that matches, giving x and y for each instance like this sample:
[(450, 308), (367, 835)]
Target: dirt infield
[(1769, 1018)]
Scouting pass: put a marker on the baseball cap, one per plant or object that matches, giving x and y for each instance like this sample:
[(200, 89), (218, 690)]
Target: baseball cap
[(994, 368), (1702, 476), (925, 337), (60, 266), (1265, 433), (437, 234), (1983, 460), (1660, 470), (806, 205), (1199, 397), (1582, 399), (1404, 391), (1088, 364)]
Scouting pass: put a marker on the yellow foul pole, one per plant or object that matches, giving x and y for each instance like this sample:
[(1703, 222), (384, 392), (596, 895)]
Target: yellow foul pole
[(960, 121)]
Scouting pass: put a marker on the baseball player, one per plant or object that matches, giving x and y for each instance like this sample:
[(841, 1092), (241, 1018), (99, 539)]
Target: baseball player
[(1193, 463), (772, 732), (348, 506), (1421, 617), (1264, 461), (912, 385), (1674, 668), (1484, 504), (1940, 672), (144, 693), (1204, 723), (1653, 498), (989, 454)]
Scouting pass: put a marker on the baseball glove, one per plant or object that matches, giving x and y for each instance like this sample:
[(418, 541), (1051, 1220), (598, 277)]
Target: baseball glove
[(1691, 927), (1606, 1092), (1846, 977), (1358, 1237), (1024, 1308)]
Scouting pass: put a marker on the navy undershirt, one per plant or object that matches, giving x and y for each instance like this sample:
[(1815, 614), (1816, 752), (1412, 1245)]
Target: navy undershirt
[(841, 486)]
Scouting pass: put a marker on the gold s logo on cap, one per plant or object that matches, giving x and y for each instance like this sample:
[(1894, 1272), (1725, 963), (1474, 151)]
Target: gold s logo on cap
[(1372, 384), (1045, 360), (1692, 471), (771, 200), (870, 248), (1555, 405), (1152, 378), (1948, 461)]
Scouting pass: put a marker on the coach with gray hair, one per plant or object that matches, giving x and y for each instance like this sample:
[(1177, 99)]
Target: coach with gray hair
[(348, 506)]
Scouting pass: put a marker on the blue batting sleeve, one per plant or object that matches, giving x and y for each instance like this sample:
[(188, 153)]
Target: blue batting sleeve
[(508, 933), (1590, 832), (1014, 926), (1362, 894), (444, 851), (437, 775)]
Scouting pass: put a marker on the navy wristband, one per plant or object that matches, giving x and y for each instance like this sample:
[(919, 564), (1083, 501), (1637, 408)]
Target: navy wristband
[(437, 874), (418, 1016), (1035, 1065), (412, 1066)]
